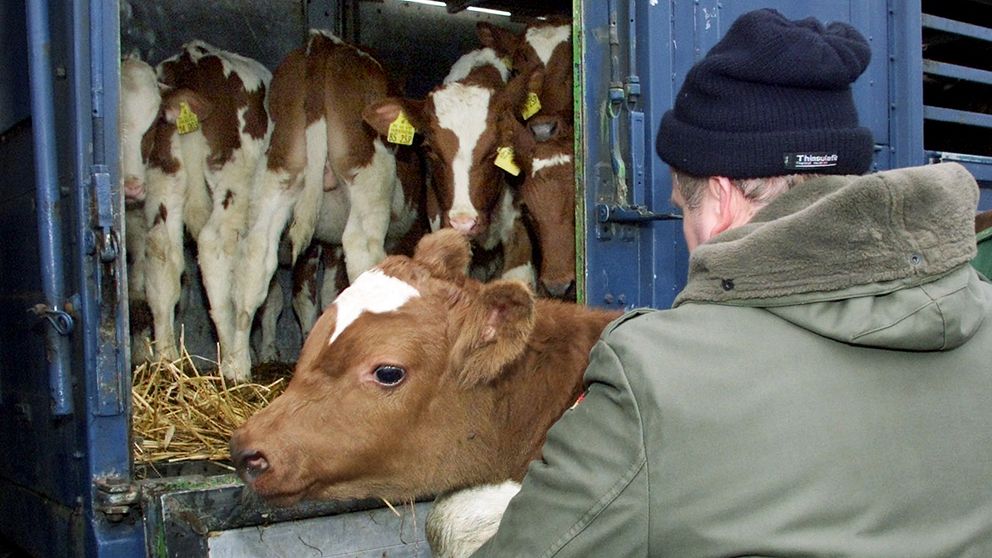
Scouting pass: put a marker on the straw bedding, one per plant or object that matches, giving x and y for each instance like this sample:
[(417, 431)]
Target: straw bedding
[(181, 414)]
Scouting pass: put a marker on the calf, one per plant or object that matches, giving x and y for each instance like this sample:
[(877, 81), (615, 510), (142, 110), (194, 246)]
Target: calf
[(419, 380), (140, 102), (328, 171), (458, 123), (547, 193), (544, 46), (542, 54), (199, 155)]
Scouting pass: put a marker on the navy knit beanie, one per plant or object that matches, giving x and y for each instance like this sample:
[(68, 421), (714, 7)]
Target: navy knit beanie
[(771, 98)]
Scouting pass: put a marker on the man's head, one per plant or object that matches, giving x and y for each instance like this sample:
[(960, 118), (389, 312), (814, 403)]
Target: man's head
[(769, 105)]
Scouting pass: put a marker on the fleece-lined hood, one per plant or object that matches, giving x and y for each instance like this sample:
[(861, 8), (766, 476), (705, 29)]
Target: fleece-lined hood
[(878, 260)]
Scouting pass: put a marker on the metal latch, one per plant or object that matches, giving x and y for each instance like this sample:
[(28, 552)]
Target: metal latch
[(630, 214), (115, 498), (106, 243)]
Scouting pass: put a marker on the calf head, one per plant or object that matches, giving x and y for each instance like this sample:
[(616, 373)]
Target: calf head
[(396, 387), (458, 122), (547, 193), (139, 109), (543, 46)]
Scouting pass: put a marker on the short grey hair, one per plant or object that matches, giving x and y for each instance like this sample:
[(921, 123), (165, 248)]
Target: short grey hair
[(759, 191)]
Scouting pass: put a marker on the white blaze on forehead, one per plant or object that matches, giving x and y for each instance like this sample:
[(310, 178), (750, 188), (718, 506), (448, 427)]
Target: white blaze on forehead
[(463, 109), (544, 40), (373, 291)]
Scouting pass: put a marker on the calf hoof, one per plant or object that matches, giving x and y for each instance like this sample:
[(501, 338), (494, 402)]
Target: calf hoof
[(237, 370)]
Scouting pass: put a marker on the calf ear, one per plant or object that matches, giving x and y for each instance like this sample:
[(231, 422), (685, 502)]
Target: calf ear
[(503, 41), (200, 106), (511, 98), (495, 332), (384, 112), (446, 253)]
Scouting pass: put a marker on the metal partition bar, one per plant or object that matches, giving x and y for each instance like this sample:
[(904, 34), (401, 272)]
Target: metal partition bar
[(48, 208), (957, 72), (957, 27)]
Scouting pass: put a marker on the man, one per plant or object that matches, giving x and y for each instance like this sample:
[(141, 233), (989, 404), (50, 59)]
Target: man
[(822, 385)]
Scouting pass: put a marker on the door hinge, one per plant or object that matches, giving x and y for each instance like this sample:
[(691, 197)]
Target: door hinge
[(115, 497)]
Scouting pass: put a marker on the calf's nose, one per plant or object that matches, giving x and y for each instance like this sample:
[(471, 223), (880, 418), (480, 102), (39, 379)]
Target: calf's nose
[(463, 224), (250, 464), (558, 289), (134, 188), (543, 130)]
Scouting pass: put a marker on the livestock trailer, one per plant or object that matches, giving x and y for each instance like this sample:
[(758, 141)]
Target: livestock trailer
[(68, 483)]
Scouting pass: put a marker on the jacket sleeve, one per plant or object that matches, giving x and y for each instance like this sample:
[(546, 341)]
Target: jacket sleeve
[(588, 494)]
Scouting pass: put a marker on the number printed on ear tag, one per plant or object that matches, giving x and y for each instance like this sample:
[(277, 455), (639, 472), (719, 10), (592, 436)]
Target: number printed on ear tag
[(401, 131)]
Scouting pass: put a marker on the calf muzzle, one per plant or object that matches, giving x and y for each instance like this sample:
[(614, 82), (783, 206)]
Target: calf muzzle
[(250, 463)]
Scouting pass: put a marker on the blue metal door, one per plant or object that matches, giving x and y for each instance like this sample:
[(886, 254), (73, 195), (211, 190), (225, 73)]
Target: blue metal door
[(64, 380), (633, 56)]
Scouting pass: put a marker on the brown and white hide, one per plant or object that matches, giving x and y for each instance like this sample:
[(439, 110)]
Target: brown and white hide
[(419, 380), (197, 181), (325, 174), (544, 46), (140, 102), (458, 123), (547, 194)]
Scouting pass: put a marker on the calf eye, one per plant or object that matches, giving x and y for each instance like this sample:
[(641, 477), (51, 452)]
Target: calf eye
[(388, 375)]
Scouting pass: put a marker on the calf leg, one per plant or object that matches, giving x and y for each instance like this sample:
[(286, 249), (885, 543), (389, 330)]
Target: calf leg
[(258, 259), (335, 278), (268, 350), (305, 301), (371, 194), (308, 205), (164, 255), (518, 255), (218, 246), (135, 241)]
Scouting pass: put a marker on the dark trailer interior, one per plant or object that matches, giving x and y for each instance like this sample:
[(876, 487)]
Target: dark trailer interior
[(69, 485)]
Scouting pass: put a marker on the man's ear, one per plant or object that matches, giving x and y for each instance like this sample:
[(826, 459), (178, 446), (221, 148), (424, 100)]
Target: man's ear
[(727, 198), (494, 333)]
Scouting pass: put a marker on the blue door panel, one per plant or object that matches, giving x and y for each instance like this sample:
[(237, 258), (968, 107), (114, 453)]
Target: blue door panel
[(646, 265)]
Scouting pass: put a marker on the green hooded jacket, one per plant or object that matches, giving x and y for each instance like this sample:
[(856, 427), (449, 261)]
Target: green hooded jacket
[(822, 387)]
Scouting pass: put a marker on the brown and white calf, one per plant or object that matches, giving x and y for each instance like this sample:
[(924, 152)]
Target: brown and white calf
[(419, 380), (547, 194), (544, 46), (197, 177), (140, 101), (542, 55), (458, 121), (327, 172)]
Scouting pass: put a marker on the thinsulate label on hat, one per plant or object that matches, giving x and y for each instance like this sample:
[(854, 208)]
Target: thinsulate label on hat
[(806, 161)]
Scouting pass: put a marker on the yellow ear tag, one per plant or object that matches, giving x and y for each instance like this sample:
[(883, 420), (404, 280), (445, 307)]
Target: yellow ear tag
[(508, 62), (504, 160), (531, 106), (187, 121), (401, 131)]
